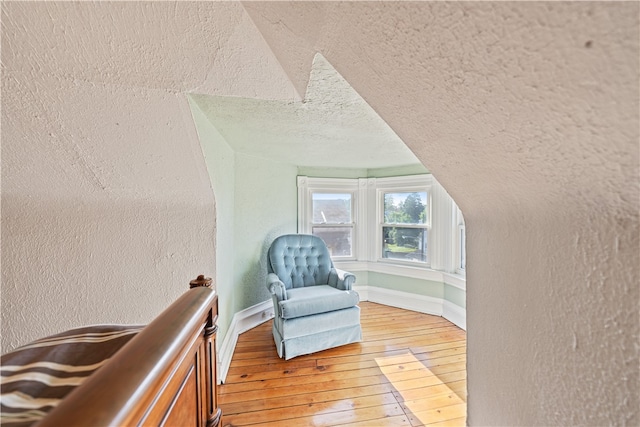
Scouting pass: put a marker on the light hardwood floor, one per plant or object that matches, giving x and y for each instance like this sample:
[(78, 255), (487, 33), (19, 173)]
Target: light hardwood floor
[(410, 370)]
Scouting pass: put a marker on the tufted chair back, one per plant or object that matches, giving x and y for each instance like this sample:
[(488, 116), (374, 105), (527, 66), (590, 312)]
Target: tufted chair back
[(299, 260)]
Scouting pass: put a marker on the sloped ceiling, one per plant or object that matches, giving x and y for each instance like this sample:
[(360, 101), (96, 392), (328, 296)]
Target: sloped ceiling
[(485, 89), (332, 127), (93, 93), (208, 47)]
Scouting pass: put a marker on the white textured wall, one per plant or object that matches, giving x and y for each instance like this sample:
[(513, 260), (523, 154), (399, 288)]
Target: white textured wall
[(104, 197), (527, 113), (107, 207)]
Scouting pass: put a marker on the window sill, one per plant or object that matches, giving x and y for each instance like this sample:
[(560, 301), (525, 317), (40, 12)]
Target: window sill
[(455, 280)]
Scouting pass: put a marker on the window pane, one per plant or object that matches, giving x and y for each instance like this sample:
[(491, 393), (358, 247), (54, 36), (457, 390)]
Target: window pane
[(405, 208), (331, 208), (338, 239), (404, 243)]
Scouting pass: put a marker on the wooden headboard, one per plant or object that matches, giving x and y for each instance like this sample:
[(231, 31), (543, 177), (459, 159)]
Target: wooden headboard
[(166, 375)]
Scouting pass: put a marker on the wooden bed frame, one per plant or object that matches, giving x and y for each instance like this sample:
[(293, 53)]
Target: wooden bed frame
[(164, 376)]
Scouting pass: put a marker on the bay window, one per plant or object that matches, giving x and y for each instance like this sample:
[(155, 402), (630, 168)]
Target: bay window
[(384, 224)]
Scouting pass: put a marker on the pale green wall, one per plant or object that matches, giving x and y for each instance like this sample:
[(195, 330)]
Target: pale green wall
[(397, 171), (265, 207), (363, 173), (220, 161), (332, 172), (455, 295), (406, 284), (256, 200)]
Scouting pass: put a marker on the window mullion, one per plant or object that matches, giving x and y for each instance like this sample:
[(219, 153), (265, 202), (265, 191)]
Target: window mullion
[(423, 243)]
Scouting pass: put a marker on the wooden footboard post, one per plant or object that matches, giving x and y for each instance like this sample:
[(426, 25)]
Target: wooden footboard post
[(214, 414)]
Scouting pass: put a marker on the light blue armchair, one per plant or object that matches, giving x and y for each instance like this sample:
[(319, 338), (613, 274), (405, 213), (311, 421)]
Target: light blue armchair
[(315, 307)]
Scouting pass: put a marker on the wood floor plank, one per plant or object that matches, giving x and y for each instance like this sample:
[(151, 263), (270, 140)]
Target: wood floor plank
[(271, 363), (440, 369), (370, 415), (437, 346), (409, 370), (307, 398), (307, 380), (460, 388), (380, 327), (458, 422), (452, 349), (402, 375), (300, 411), (419, 393), (438, 415), (397, 421), (283, 392), (447, 360), (330, 364), (326, 359), (431, 402)]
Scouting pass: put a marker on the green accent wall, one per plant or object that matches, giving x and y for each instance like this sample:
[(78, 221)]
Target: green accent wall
[(266, 207), (406, 284), (256, 201), (455, 295), (416, 169), (332, 172)]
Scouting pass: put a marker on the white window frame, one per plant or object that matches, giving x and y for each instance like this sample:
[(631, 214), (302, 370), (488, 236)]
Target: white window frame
[(307, 187), (460, 242), (367, 216), (411, 184)]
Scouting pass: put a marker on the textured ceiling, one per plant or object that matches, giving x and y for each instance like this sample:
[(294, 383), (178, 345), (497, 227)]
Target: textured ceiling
[(332, 127), (93, 93)]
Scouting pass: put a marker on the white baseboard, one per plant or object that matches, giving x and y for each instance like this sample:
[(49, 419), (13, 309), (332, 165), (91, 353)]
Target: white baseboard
[(255, 315), (399, 299), (241, 322), (420, 303), (455, 314)]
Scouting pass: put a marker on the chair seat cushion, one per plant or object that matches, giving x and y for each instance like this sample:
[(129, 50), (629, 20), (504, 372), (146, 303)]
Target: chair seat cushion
[(316, 299)]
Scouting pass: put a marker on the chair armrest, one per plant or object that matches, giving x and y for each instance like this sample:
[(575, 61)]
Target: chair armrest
[(341, 279), (276, 287)]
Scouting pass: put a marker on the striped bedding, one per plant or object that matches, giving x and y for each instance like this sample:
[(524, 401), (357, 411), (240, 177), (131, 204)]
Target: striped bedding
[(35, 377)]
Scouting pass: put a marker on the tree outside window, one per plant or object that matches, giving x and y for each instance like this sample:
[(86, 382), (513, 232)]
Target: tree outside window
[(404, 231)]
